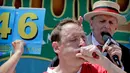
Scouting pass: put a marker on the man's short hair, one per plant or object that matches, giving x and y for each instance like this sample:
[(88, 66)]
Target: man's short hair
[(55, 35)]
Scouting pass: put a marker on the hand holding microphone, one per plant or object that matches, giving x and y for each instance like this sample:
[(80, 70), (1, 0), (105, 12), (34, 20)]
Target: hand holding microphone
[(112, 49)]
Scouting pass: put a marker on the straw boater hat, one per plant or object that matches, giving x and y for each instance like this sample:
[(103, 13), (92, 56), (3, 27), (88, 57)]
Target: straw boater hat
[(108, 8)]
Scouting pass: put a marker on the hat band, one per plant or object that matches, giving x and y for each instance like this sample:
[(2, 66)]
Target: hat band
[(105, 10)]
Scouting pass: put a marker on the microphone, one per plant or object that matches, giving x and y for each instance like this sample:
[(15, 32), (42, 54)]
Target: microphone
[(108, 41)]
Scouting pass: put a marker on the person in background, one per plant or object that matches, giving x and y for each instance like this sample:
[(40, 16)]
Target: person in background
[(105, 17), (70, 45), (10, 64)]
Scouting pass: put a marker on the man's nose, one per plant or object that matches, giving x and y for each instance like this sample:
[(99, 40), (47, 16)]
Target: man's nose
[(82, 42), (107, 25)]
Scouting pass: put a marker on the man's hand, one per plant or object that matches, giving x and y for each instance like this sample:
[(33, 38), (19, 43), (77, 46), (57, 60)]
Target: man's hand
[(113, 50), (18, 46), (87, 53)]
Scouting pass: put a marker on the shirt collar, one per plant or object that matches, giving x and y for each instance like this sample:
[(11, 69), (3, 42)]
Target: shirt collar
[(50, 70)]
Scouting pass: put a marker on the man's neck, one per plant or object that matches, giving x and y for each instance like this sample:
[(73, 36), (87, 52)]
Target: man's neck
[(94, 41), (97, 38), (66, 68)]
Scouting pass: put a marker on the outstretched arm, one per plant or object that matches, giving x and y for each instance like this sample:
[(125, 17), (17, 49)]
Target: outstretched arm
[(9, 65)]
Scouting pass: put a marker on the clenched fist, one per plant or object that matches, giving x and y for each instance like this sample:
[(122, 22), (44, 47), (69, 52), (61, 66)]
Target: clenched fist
[(18, 46)]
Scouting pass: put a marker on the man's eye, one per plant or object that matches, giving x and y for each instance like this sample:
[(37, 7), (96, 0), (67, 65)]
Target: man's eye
[(103, 21), (73, 39), (110, 22)]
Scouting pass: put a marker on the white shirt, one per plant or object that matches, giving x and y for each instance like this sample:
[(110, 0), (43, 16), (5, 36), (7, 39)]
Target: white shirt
[(49, 70), (95, 42)]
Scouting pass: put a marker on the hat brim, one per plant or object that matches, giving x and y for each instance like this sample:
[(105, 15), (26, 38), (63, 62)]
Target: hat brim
[(121, 19)]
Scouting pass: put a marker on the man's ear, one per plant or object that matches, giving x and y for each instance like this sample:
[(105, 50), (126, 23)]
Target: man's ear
[(80, 19), (55, 47), (116, 27), (90, 22)]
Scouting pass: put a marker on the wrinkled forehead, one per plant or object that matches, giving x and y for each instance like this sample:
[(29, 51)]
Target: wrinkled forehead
[(71, 29), (104, 16)]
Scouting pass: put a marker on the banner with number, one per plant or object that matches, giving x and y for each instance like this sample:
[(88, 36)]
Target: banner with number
[(23, 24)]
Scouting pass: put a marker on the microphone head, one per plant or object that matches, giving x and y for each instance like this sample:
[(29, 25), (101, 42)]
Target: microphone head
[(105, 36)]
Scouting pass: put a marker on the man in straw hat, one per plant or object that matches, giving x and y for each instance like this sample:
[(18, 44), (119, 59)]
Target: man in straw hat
[(70, 44), (105, 17)]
